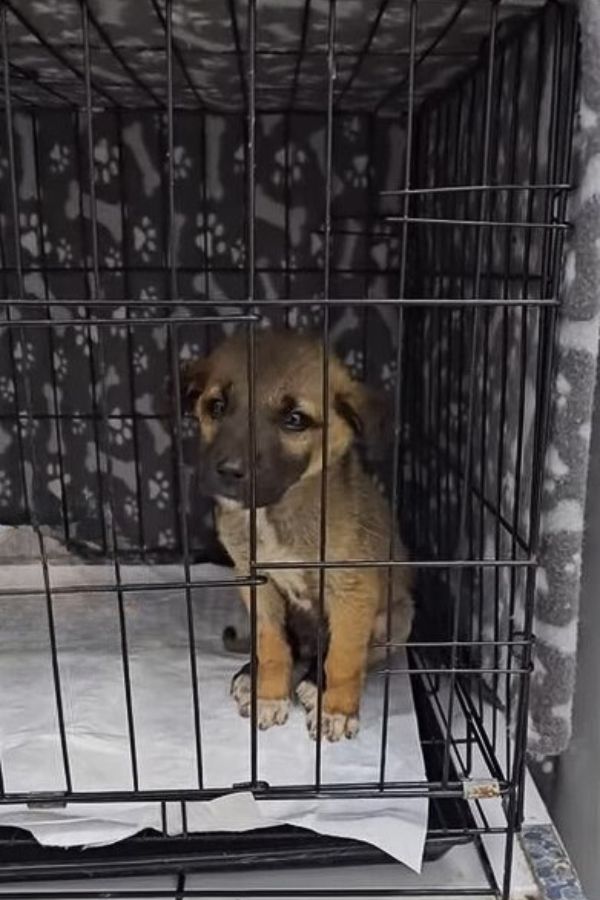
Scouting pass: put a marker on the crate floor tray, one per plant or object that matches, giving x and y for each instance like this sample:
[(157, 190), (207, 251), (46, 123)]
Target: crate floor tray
[(449, 823)]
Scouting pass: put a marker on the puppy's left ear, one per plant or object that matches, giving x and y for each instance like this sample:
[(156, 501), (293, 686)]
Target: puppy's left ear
[(368, 412)]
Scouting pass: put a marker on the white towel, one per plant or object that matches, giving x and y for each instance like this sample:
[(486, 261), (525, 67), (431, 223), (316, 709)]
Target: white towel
[(92, 686)]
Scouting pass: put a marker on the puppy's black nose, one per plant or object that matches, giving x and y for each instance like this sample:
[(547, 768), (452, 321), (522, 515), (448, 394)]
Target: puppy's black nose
[(230, 469)]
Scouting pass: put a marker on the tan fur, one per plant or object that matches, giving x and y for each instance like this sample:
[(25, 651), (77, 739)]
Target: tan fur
[(358, 526)]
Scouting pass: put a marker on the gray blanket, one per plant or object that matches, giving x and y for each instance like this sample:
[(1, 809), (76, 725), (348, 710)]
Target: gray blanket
[(573, 398)]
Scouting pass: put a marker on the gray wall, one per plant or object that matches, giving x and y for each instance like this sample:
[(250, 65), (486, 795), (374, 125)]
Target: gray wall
[(574, 798)]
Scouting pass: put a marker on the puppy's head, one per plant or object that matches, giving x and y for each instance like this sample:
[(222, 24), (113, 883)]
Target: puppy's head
[(289, 415)]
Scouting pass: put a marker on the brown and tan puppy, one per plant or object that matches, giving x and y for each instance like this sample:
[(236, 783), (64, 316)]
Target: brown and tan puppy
[(289, 431)]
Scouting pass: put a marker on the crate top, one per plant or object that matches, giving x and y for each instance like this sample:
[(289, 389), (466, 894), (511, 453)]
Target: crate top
[(46, 46)]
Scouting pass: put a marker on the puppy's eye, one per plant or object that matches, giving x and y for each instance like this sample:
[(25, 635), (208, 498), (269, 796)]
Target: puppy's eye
[(216, 408), (295, 421)]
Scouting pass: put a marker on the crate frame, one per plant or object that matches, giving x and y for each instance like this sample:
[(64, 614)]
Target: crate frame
[(21, 313)]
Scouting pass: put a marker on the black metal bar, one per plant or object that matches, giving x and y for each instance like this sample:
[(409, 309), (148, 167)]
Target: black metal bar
[(131, 73), (259, 893), (444, 833), (452, 137), (130, 348), (53, 381), (30, 488), (85, 252), (442, 239), (432, 206), (487, 352), (301, 52), (279, 52), (35, 79), (206, 264), (465, 498), (513, 530), (178, 436), (471, 716), (122, 322), (260, 269), (20, 102), (457, 670), (178, 55), (250, 90), (371, 126), (514, 131), (476, 188), (403, 564), (64, 61), (413, 645), (136, 587), (287, 210), (460, 474), (180, 891), (561, 161), (538, 88), (23, 499), (482, 223), (233, 318), (42, 416), (397, 88), (239, 53), (184, 820), (397, 426), (325, 345), (105, 458), (229, 113), (337, 791), (364, 50)]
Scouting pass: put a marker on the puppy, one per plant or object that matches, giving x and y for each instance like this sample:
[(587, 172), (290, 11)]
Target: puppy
[(289, 428)]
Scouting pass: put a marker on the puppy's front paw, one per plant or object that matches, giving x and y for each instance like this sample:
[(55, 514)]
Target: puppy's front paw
[(269, 712), (334, 725), (272, 712), (307, 694)]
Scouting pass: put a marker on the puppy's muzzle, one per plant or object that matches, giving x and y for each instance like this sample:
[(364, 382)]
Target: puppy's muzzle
[(231, 472), (231, 480)]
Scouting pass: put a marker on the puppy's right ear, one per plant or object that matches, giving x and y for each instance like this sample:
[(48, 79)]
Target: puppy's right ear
[(192, 381)]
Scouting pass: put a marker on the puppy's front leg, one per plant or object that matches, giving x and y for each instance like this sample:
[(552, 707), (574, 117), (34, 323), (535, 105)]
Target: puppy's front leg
[(274, 662), (351, 609)]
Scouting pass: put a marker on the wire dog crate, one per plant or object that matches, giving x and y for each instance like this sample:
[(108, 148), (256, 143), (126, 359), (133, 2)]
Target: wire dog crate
[(391, 174)]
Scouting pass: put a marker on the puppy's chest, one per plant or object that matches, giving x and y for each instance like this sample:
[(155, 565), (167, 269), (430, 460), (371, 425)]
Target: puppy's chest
[(296, 585)]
